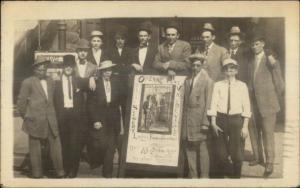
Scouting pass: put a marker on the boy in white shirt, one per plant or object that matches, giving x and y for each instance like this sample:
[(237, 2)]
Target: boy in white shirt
[(230, 113)]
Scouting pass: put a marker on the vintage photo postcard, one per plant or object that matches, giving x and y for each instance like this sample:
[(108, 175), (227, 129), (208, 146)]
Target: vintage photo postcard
[(149, 94)]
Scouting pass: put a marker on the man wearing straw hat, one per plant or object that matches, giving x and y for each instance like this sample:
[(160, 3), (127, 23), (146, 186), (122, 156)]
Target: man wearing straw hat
[(96, 53), (104, 111), (35, 103)]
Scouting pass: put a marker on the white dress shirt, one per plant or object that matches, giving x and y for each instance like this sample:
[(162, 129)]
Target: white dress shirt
[(97, 55), (258, 59), (233, 51), (171, 47), (120, 51), (107, 88), (68, 102), (44, 86), (239, 99), (81, 69), (142, 55)]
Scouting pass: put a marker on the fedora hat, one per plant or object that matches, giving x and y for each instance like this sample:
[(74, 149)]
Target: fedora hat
[(229, 61), (258, 35), (235, 30), (83, 44), (197, 56), (106, 64), (172, 24), (40, 60), (145, 26), (96, 33), (68, 60), (121, 31), (208, 27)]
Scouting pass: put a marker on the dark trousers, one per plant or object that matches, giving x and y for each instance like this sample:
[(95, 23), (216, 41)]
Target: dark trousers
[(112, 145), (35, 152), (256, 141), (228, 146), (71, 137)]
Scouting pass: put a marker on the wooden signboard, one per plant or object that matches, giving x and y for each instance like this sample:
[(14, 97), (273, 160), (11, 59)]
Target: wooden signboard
[(54, 70), (152, 139)]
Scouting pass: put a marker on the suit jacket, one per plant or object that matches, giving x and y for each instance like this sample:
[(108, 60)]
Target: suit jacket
[(263, 89), (100, 111), (79, 85), (91, 69), (196, 105), (90, 57), (178, 57), (242, 57), (123, 62), (215, 56), (150, 57), (36, 109)]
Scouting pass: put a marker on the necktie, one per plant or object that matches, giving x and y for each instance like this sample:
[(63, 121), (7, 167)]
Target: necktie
[(69, 87), (206, 50), (231, 53), (228, 104), (192, 83)]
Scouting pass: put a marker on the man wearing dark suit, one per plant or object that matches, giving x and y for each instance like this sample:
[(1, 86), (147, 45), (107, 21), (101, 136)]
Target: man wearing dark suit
[(104, 110), (238, 52), (84, 69), (35, 103), (172, 55), (215, 54), (96, 53), (144, 54), (198, 91), (266, 85), (68, 104)]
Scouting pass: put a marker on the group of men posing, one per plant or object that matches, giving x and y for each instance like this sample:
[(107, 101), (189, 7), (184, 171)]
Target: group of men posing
[(224, 91)]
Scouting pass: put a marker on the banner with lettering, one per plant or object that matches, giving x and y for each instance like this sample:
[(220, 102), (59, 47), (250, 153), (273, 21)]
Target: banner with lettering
[(54, 70), (155, 120)]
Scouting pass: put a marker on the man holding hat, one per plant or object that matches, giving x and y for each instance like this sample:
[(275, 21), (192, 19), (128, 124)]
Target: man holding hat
[(230, 112), (238, 52), (144, 54), (266, 87), (198, 90), (172, 56), (35, 103), (104, 110), (69, 105), (96, 53), (214, 53)]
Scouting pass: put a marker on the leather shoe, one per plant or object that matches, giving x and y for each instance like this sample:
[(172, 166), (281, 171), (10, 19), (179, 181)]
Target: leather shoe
[(268, 170), (255, 162)]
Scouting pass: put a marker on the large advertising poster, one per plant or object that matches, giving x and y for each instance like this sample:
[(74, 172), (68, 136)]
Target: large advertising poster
[(155, 120)]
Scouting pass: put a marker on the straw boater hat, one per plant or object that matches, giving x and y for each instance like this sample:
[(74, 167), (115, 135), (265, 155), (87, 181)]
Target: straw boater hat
[(235, 30), (40, 60), (197, 56), (83, 44), (229, 61), (68, 60), (96, 33), (208, 27), (106, 64)]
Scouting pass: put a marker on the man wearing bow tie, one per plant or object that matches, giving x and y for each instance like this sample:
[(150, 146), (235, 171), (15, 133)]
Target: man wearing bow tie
[(68, 103), (35, 103), (84, 69), (144, 54)]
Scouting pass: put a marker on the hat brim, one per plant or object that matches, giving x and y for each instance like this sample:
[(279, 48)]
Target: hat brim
[(106, 66), (211, 30), (241, 34), (236, 65), (40, 63)]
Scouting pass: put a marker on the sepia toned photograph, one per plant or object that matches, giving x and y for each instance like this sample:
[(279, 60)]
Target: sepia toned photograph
[(192, 97)]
